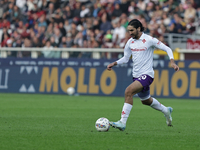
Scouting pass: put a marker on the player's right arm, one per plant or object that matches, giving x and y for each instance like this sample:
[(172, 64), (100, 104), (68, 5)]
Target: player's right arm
[(124, 59)]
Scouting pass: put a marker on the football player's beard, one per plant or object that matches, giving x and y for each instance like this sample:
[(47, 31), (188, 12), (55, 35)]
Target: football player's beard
[(135, 36)]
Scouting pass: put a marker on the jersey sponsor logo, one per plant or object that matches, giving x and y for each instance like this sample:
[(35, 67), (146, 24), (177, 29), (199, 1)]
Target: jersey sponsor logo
[(158, 42), (132, 42), (139, 49)]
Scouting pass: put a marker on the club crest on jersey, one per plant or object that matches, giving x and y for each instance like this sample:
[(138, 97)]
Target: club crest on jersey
[(139, 49), (143, 40)]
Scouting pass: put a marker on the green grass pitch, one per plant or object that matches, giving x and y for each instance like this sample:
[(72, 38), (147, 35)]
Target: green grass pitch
[(61, 122)]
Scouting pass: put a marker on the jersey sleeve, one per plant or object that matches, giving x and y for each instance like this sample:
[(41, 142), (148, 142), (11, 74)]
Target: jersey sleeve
[(127, 54), (159, 45)]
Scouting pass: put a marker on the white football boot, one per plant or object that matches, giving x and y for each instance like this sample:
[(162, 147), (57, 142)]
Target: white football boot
[(119, 125), (168, 116)]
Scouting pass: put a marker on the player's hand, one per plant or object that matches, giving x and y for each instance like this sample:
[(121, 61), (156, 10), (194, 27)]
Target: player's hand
[(109, 67), (176, 68)]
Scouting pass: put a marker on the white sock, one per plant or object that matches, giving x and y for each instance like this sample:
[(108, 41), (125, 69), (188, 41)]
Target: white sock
[(158, 106), (125, 112)]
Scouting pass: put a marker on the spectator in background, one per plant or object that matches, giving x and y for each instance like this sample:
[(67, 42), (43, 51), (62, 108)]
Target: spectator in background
[(15, 35), (158, 13), (77, 10), (165, 19), (85, 54), (4, 5), (95, 10), (36, 42), (110, 9), (40, 33), (58, 18), (43, 4), (149, 10), (5, 31), (124, 6), (119, 33), (42, 21), (84, 11), (141, 5), (152, 24), (190, 13), (8, 13), (9, 43), (67, 26), (67, 14), (57, 36), (69, 41), (27, 43), (5, 38), (1, 10), (107, 43), (106, 24), (162, 39), (49, 31), (98, 36), (123, 42), (161, 30), (78, 40), (20, 27), (31, 5), (48, 53), (116, 12), (96, 24), (18, 43), (25, 33), (4, 23), (137, 12), (16, 14), (50, 13), (180, 10), (73, 30), (63, 42), (53, 42), (62, 29), (131, 8), (21, 4)]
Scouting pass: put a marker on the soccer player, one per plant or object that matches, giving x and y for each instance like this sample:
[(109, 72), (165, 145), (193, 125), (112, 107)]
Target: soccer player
[(141, 47)]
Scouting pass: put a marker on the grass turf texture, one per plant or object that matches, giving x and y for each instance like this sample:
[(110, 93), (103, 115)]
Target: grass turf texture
[(59, 122)]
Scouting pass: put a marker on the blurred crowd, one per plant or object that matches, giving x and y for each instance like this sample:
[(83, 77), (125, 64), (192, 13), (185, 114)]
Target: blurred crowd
[(89, 23)]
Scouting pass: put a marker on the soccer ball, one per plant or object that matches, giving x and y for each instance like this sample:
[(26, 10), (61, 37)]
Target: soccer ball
[(102, 124), (70, 91)]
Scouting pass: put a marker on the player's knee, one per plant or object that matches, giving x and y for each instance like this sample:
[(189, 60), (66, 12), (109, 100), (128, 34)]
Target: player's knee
[(128, 92)]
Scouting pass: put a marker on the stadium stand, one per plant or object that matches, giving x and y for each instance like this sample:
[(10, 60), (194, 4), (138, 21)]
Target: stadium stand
[(56, 24)]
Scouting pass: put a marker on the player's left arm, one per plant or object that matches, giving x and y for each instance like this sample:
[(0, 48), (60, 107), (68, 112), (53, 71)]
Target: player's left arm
[(158, 44)]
